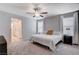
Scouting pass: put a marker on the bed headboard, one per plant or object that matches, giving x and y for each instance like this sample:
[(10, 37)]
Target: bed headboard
[(49, 32)]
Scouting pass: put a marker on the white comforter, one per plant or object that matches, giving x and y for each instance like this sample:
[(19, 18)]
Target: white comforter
[(48, 40)]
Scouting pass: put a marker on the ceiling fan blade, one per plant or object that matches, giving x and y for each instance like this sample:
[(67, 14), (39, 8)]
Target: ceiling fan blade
[(34, 16), (30, 13), (41, 15), (44, 13)]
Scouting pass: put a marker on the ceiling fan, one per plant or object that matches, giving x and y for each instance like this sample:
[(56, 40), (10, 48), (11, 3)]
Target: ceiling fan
[(38, 12)]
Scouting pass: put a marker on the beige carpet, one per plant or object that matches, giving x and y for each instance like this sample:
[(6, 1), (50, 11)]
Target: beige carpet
[(28, 48)]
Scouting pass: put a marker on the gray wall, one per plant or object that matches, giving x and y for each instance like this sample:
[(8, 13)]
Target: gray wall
[(52, 22), (29, 28), (5, 24), (76, 39)]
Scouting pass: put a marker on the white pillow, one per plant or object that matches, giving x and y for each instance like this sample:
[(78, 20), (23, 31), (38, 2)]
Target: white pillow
[(56, 33)]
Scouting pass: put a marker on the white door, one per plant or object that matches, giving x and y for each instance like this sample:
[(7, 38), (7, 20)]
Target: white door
[(16, 30)]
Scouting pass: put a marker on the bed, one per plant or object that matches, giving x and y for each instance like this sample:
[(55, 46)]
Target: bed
[(47, 40)]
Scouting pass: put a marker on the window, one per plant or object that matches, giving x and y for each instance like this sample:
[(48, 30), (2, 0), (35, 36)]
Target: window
[(39, 26)]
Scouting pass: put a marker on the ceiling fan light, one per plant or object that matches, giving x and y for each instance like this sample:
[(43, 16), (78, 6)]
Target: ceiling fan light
[(36, 14)]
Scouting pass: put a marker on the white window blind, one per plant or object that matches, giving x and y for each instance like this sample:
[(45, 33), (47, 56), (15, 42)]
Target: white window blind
[(40, 26)]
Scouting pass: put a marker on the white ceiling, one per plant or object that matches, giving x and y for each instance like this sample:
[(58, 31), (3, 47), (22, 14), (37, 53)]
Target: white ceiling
[(51, 8)]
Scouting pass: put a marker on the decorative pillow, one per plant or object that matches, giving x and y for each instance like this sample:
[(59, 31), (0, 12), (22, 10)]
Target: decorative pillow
[(49, 32)]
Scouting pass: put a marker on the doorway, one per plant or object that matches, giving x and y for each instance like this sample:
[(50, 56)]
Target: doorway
[(16, 30)]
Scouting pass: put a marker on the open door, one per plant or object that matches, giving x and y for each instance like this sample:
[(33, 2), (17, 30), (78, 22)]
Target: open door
[(16, 30)]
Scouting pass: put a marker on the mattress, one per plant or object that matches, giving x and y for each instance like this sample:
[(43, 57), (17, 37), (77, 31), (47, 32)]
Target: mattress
[(48, 40)]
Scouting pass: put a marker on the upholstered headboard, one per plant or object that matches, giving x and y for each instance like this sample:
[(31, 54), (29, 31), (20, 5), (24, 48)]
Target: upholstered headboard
[(49, 32)]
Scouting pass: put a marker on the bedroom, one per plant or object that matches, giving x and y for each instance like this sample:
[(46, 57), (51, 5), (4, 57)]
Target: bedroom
[(57, 22)]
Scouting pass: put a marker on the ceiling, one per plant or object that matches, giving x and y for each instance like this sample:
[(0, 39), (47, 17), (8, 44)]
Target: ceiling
[(51, 8)]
